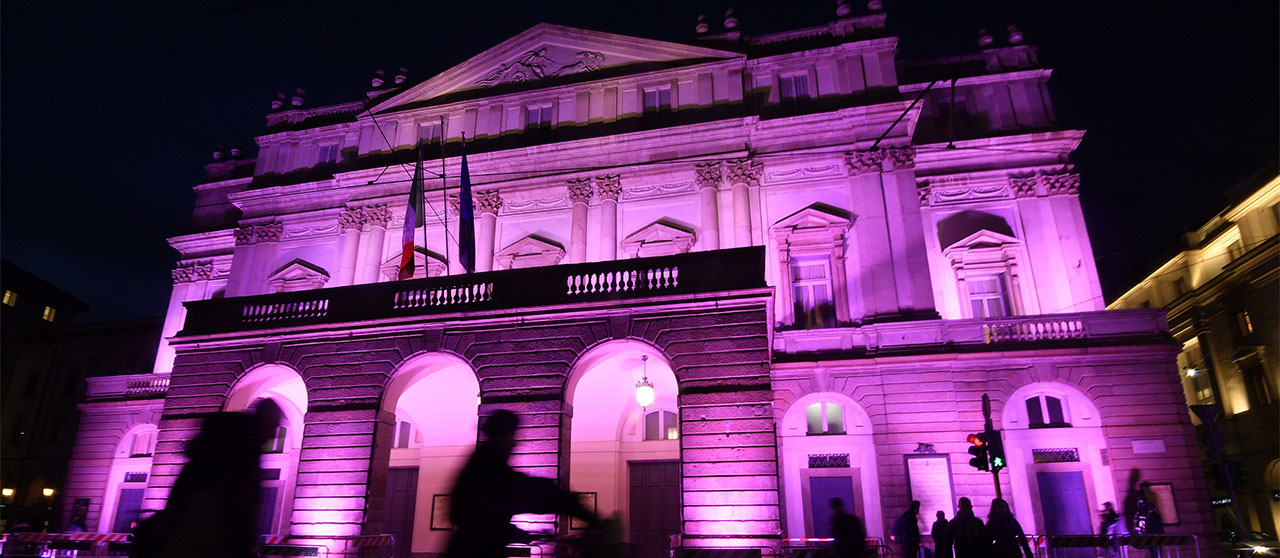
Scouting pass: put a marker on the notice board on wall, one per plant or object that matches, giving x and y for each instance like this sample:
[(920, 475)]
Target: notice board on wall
[(929, 478)]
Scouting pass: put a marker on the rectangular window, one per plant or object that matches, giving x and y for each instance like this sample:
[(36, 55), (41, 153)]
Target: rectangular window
[(49, 313), (661, 425), (429, 134), (144, 444), (793, 87), (811, 285), (538, 117), (276, 443), (824, 418), (1200, 387), (1244, 322), (328, 154), (10, 298), (1235, 250), (404, 431), (988, 296), (657, 99)]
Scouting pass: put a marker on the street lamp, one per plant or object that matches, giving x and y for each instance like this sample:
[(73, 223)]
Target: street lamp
[(644, 389)]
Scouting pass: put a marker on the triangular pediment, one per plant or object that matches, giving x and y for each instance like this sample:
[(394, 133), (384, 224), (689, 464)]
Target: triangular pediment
[(818, 216), (984, 239), (547, 51), (298, 275), (530, 251), (658, 239)]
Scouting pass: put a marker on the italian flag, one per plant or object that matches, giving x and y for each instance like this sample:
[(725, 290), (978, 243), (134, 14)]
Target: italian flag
[(412, 220)]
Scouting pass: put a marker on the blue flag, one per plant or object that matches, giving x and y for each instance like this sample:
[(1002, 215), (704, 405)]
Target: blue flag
[(466, 218)]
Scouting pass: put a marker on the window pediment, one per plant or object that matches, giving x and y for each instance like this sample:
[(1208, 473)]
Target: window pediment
[(298, 275), (530, 251), (425, 264), (816, 218), (658, 239)]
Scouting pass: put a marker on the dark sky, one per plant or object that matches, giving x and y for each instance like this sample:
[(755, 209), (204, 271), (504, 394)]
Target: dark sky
[(101, 144)]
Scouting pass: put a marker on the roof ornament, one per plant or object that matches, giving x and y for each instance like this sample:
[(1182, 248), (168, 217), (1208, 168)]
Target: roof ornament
[(843, 9), (278, 102), (299, 98), (1015, 36), (730, 21), (702, 26), (984, 38), (237, 150), (220, 152), (402, 75), (379, 78), (876, 6)]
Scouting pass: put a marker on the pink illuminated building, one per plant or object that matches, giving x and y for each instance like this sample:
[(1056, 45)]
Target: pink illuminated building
[(768, 229)]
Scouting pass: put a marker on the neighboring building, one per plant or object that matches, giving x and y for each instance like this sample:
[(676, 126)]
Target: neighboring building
[(766, 229), (45, 362), (1222, 293)]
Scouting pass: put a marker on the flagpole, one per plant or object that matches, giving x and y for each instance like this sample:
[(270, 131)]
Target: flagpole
[(444, 193)]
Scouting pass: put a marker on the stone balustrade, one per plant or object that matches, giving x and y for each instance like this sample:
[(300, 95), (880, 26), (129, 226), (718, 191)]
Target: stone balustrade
[(129, 386)]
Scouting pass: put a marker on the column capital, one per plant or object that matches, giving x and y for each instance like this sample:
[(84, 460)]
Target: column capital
[(609, 186), (743, 171), (1063, 183), (901, 157), (269, 232), (579, 190), (351, 218), (191, 272), (1023, 186), (244, 236), (709, 175), (880, 160), (488, 201), (377, 215)]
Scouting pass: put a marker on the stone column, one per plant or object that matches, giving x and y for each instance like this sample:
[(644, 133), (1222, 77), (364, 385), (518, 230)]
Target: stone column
[(487, 204), (742, 175), (241, 261), (373, 236), (190, 282), (579, 196), (609, 187), (349, 222), (708, 178), (265, 257)]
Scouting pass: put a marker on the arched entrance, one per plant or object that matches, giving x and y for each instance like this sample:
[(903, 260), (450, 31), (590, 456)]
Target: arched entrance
[(624, 458), (827, 451), (435, 399), (127, 479), (285, 387), (1054, 443)]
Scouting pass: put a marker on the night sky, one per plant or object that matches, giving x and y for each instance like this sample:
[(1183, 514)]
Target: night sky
[(101, 144)]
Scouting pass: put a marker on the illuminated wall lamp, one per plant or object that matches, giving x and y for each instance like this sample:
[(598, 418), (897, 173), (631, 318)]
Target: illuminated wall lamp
[(644, 389), (1192, 372), (48, 492), (6, 492)]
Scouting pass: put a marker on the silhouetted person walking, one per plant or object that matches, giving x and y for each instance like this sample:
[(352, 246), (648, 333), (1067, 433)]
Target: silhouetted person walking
[(212, 511), (1005, 532), (941, 539), (906, 530), (848, 531), (489, 492), (968, 534)]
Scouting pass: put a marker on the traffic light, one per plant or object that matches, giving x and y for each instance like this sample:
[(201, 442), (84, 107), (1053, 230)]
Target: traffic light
[(979, 451), (995, 450)]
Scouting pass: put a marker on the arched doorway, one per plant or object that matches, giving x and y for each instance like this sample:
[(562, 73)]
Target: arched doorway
[(435, 401), (1054, 444), (127, 479), (285, 387), (625, 459), (827, 451)]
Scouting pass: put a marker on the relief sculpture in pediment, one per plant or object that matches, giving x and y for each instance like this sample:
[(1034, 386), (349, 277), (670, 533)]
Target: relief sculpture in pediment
[(537, 64)]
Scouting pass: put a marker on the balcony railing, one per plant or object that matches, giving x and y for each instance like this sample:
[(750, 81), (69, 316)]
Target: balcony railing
[(1111, 326), (131, 386), (682, 274)]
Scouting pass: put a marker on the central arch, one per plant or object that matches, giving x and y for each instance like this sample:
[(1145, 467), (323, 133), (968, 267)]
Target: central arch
[(621, 452), (285, 387), (434, 399)]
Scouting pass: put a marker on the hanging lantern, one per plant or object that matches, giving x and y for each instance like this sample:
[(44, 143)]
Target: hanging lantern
[(644, 389)]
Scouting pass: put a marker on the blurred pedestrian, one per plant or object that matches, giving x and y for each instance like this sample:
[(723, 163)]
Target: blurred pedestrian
[(941, 539), (489, 492), (906, 530), (849, 532), (1005, 533), (967, 533), (212, 511)]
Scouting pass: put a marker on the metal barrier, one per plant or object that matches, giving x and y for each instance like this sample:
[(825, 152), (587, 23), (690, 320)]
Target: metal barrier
[(71, 545), (280, 545), (1115, 546), (817, 548)]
